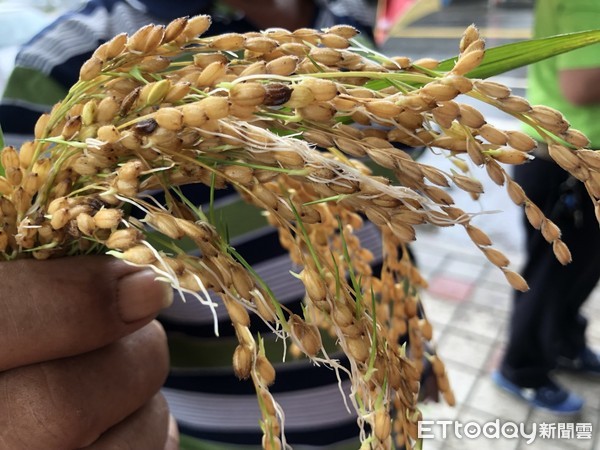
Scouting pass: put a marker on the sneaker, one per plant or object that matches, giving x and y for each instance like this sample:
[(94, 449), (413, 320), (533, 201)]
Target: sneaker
[(550, 397), (588, 362)]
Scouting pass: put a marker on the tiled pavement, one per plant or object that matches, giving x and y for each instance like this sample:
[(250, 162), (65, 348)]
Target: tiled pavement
[(468, 302)]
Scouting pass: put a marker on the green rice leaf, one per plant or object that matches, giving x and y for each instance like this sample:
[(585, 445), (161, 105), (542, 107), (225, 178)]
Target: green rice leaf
[(501, 59)]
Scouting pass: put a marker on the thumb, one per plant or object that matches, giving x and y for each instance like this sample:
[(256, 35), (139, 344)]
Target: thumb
[(63, 307)]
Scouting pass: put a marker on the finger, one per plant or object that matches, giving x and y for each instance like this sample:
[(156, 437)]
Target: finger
[(68, 403), (173, 439), (67, 306), (147, 428)]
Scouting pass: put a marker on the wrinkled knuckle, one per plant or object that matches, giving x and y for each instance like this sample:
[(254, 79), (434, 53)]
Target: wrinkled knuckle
[(159, 344), (161, 407), (158, 337), (35, 414)]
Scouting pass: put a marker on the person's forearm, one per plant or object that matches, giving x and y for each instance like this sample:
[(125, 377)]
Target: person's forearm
[(581, 86), (276, 13)]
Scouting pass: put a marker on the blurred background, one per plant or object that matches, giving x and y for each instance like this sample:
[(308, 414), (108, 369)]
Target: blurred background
[(22, 19)]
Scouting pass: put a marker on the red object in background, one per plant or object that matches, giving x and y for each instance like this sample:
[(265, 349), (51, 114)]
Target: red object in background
[(388, 13), (395, 14)]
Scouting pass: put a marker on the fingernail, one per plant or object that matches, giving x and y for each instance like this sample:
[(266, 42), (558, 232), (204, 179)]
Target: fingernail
[(140, 295)]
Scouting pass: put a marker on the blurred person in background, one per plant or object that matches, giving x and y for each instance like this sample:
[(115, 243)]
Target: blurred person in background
[(82, 360), (547, 326)]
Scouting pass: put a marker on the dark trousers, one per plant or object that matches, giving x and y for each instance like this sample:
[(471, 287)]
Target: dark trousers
[(546, 321)]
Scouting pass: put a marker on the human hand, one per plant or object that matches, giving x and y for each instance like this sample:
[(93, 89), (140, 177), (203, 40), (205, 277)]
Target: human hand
[(81, 359)]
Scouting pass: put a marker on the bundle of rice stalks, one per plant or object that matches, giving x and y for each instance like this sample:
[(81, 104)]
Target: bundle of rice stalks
[(288, 119)]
